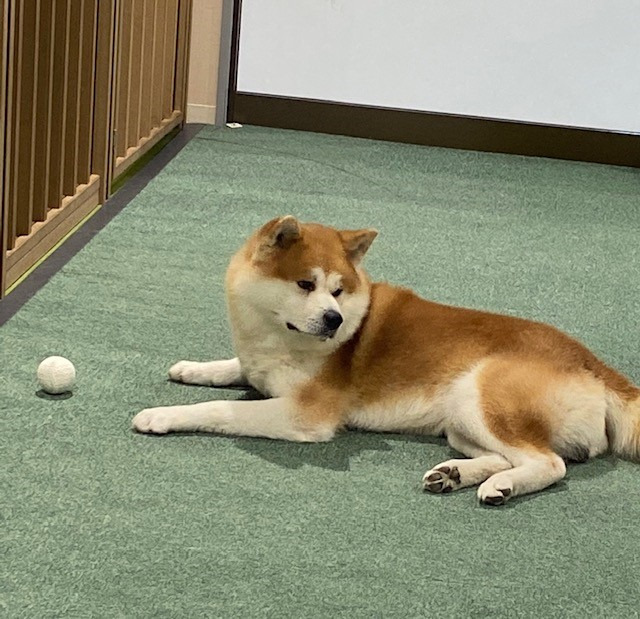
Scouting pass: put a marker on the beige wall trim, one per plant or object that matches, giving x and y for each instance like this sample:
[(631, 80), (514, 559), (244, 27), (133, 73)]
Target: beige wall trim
[(204, 56), (204, 114)]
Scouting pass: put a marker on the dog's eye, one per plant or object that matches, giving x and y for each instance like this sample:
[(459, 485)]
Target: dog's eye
[(307, 285), (337, 293)]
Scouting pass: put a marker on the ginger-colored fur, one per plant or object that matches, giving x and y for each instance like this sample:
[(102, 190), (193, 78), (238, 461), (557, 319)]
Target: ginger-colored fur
[(518, 397)]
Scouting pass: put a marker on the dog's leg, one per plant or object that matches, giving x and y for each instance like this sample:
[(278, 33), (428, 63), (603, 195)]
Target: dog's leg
[(278, 418), (226, 373), (532, 472), (462, 473), (502, 408), (456, 474)]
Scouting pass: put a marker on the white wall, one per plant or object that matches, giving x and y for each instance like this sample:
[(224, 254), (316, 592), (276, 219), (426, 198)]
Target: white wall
[(568, 62)]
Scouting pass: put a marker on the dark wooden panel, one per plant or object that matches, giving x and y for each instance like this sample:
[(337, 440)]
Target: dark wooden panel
[(170, 37), (24, 104), (125, 32), (42, 134), (85, 91), (182, 56), (4, 83), (58, 102), (135, 74), (72, 87), (105, 99), (146, 69)]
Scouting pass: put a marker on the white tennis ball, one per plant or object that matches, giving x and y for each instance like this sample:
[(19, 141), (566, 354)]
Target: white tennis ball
[(56, 375)]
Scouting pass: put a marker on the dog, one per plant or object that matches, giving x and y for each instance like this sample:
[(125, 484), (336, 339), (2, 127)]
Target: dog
[(333, 350)]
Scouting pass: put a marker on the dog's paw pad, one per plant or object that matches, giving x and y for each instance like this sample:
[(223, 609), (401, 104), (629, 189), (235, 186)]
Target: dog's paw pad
[(441, 479)]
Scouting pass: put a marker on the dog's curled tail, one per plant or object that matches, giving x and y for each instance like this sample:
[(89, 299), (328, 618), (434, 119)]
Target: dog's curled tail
[(623, 426)]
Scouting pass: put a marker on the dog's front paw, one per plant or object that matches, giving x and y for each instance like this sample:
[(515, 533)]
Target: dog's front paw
[(442, 478), (209, 373), (154, 421), (190, 372)]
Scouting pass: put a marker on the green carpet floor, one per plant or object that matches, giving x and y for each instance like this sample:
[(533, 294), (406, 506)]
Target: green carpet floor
[(97, 521)]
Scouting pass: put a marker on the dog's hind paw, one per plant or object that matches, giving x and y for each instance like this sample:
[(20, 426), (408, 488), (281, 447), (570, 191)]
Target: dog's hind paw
[(495, 492)]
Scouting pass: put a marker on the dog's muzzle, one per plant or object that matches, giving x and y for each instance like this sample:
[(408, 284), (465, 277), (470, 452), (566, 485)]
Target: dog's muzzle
[(331, 321)]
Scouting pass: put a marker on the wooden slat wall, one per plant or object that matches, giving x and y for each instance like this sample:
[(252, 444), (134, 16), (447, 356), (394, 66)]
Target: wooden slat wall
[(51, 105), (49, 120), (89, 86), (151, 67)]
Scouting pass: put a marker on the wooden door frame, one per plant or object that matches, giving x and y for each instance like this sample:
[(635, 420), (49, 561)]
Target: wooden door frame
[(102, 156), (182, 56), (5, 50)]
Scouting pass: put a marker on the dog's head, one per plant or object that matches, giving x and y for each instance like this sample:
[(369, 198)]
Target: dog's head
[(305, 277)]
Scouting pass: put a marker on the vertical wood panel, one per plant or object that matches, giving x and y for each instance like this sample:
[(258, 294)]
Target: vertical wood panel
[(11, 151), (62, 16), (144, 126), (86, 102), (42, 112), (125, 32), (34, 75), (14, 123), (24, 105), (170, 42), (182, 55), (158, 59), (70, 150), (135, 77)]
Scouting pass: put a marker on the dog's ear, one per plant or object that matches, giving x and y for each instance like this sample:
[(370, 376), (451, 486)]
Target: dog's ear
[(357, 242), (281, 232)]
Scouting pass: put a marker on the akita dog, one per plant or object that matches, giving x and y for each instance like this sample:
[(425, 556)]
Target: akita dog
[(333, 350)]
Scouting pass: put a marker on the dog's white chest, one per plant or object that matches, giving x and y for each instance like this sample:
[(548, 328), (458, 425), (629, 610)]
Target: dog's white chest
[(274, 371)]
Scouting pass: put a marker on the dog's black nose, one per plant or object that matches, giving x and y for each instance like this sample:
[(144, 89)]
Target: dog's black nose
[(332, 320)]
